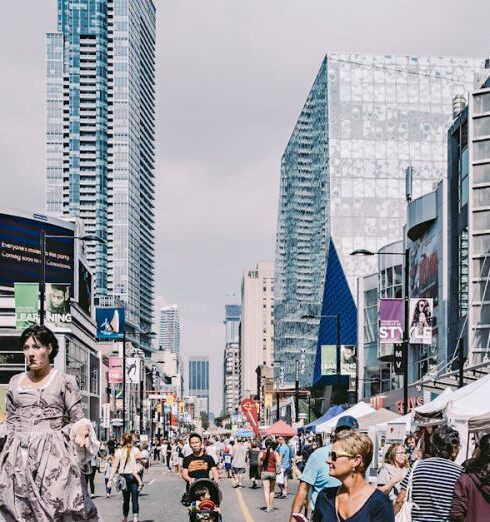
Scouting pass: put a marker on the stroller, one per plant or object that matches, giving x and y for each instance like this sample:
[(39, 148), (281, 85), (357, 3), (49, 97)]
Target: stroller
[(207, 509)]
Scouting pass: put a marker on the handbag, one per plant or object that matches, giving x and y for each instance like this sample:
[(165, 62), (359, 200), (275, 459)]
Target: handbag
[(405, 513), (119, 480)]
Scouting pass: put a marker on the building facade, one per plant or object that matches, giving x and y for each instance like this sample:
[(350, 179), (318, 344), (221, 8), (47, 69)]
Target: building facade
[(169, 329), (365, 120), (100, 144), (257, 329), (199, 380), (231, 377)]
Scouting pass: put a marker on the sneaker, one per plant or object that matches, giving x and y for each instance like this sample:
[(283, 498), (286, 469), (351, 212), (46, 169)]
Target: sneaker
[(284, 495)]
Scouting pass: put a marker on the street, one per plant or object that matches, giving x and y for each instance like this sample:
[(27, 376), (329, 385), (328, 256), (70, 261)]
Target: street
[(160, 500)]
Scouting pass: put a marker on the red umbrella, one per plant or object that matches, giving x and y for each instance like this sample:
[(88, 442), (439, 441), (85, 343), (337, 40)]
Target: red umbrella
[(280, 429)]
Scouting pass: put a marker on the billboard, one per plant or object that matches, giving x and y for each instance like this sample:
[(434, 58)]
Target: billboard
[(110, 323), (391, 312), (420, 327), (57, 306), (26, 305), (20, 250), (84, 288)]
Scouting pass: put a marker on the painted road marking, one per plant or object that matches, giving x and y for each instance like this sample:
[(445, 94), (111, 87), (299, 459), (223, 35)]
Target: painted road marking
[(246, 513)]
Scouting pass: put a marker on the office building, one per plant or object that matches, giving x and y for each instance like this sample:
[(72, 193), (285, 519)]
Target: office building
[(256, 329), (169, 329), (199, 380), (100, 137), (231, 378), (232, 323), (342, 185)]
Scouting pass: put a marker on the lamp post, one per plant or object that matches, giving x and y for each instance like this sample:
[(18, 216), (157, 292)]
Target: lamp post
[(42, 287), (405, 254)]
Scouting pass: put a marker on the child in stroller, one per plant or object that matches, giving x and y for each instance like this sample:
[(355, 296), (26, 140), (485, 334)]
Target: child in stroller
[(205, 497)]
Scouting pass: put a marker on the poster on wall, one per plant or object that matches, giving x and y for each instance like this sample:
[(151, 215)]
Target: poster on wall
[(420, 325), (57, 306), (26, 305), (390, 320)]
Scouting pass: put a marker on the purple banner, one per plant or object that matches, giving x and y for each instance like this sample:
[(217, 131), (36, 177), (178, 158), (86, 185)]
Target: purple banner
[(390, 321)]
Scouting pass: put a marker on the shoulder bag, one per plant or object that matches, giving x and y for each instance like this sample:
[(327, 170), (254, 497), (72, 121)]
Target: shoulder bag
[(405, 513), (119, 480)]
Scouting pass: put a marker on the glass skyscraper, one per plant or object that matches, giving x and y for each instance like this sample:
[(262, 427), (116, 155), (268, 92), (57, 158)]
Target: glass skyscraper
[(199, 378), (100, 144), (366, 118)]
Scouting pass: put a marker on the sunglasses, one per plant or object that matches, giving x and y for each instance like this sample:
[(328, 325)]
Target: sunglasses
[(334, 455)]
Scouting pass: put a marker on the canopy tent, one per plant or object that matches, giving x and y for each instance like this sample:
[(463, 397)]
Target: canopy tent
[(280, 429), (431, 413), (480, 423), (377, 417), (331, 412), (243, 434), (357, 411)]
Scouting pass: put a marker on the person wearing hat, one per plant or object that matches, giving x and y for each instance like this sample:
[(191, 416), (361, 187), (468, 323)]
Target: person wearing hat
[(316, 475)]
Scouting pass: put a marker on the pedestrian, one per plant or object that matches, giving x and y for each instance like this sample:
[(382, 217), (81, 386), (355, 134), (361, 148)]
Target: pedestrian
[(169, 454), (144, 462), (394, 468), (471, 501), (90, 474), (198, 465), (125, 463), (107, 474), (411, 447), (354, 500), (253, 463), (316, 474), (156, 450), (211, 450), (111, 446), (269, 463), (48, 441), (433, 479), (282, 479), (227, 462), (239, 455)]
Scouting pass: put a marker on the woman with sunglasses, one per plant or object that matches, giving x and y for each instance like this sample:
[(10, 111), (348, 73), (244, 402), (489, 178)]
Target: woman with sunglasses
[(354, 500)]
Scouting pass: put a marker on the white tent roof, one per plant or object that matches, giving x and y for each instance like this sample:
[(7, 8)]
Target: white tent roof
[(476, 401), (358, 410), (436, 404)]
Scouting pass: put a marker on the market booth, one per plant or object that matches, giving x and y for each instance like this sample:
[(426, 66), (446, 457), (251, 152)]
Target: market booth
[(333, 411), (357, 411), (280, 429)]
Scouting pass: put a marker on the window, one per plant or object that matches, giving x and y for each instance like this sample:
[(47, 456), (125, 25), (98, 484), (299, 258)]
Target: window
[(463, 178), (463, 273), (482, 103)]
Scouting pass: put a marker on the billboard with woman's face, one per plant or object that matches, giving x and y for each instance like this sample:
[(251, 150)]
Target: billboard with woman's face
[(420, 326)]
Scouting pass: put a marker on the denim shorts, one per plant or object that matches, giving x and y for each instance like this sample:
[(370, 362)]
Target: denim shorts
[(267, 475)]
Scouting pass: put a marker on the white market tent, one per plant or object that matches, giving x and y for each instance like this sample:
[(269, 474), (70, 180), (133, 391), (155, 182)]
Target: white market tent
[(357, 411), (377, 417)]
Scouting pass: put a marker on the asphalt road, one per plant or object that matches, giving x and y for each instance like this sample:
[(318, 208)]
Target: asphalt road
[(160, 500)]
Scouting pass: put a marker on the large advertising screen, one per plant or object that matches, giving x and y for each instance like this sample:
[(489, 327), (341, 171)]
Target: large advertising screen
[(20, 251)]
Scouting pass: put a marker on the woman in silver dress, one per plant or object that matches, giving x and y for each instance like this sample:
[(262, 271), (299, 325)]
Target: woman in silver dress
[(48, 442)]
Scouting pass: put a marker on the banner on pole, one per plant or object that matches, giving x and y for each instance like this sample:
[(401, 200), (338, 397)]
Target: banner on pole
[(249, 409), (115, 375), (110, 323), (391, 320), (399, 359), (420, 331), (328, 359), (26, 305), (57, 306), (132, 370)]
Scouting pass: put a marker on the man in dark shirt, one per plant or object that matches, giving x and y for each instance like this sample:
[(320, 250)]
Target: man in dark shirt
[(198, 465)]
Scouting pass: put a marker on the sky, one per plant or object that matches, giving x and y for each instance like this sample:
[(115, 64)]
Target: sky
[(232, 76)]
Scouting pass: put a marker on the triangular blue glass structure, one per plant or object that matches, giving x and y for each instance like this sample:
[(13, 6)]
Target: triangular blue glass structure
[(337, 299)]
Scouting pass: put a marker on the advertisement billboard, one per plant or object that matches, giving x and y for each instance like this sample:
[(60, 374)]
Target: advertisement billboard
[(20, 251), (57, 306), (26, 305), (132, 370), (328, 359), (110, 323), (420, 326), (391, 312)]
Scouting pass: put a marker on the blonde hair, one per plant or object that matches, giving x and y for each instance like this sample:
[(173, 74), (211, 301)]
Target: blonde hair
[(356, 443)]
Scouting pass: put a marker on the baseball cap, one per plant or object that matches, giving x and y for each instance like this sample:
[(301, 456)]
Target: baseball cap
[(347, 422)]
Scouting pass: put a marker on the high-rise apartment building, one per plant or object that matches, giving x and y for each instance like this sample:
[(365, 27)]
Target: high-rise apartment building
[(100, 144), (169, 333), (231, 359), (232, 323), (257, 330), (199, 378), (342, 188)]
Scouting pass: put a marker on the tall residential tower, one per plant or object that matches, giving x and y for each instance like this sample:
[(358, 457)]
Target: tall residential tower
[(231, 359), (169, 332), (100, 137)]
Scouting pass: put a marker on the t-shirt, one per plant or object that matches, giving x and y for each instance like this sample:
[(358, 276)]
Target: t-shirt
[(283, 450), (239, 454), (386, 474), (317, 473), (198, 467), (377, 508), (432, 488), (127, 464), (253, 456)]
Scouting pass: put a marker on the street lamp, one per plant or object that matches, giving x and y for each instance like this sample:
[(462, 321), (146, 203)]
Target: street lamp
[(405, 254), (42, 287)]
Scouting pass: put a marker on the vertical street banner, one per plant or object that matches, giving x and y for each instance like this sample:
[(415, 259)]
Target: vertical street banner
[(110, 323), (391, 312), (132, 370), (328, 359), (115, 374), (26, 305), (57, 306), (399, 359), (249, 409), (420, 325)]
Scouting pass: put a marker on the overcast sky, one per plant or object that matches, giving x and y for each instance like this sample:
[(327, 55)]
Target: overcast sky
[(232, 78)]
